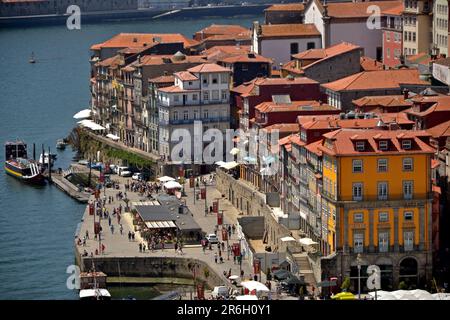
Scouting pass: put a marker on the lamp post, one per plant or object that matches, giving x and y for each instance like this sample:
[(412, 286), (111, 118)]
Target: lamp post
[(206, 203), (358, 261)]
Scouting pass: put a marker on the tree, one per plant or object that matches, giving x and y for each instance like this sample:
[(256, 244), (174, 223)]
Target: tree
[(346, 284), (402, 285)]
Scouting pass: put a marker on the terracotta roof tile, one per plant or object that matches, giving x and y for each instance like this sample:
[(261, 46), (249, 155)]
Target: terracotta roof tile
[(247, 57), (163, 79), (339, 10), (384, 101), (221, 29), (286, 7), (249, 88), (441, 130), (380, 79), (175, 89), (310, 105), (394, 11), (343, 142), (208, 67), (283, 127), (314, 147), (185, 76), (125, 40), (289, 30), (369, 64)]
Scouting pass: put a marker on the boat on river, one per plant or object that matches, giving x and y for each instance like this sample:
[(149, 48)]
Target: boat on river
[(19, 166)]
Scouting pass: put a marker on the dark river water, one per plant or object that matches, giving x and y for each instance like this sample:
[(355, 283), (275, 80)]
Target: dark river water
[(38, 101)]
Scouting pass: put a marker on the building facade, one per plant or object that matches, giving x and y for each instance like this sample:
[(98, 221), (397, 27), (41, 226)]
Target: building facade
[(417, 27), (440, 27), (393, 36)]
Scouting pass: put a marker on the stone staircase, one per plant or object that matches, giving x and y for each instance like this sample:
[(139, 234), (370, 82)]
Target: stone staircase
[(304, 269)]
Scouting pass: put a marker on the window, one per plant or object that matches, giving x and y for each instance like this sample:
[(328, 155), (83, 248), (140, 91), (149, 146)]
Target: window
[(205, 114), (310, 45), (175, 115), (408, 216), (360, 145), (224, 95), (194, 97), (176, 98), (407, 190), (195, 114), (215, 79), (357, 166), (408, 240), (406, 144), (408, 164), (205, 79), (382, 165), (382, 190), (224, 78), (215, 94), (383, 145), (186, 115), (388, 36), (206, 95), (388, 53), (383, 241), (294, 48), (358, 242), (357, 191), (383, 217), (358, 217)]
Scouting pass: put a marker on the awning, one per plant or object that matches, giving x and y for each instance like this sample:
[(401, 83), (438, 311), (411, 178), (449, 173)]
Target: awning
[(91, 125), (165, 179), (234, 151), (229, 165), (83, 114), (113, 136), (247, 297), (285, 239), (172, 185), (220, 163), (307, 241), (160, 224), (254, 285)]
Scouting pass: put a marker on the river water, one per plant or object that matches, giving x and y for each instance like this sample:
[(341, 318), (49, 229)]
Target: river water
[(37, 224)]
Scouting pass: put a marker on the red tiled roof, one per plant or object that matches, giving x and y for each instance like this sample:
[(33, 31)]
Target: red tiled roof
[(289, 30), (380, 79), (175, 89), (163, 79), (314, 147), (283, 127), (343, 142), (286, 7), (125, 40), (435, 163), (185, 76), (352, 9), (148, 60), (112, 62), (248, 88), (208, 67), (441, 130), (313, 105), (442, 105), (394, 11), (227, 50), (220, 29), (384, 101), (247, 57), (329, 52), (369, 64)]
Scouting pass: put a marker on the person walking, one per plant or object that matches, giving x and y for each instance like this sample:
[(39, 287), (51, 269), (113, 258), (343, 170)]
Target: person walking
[(109, 220), (112, 229), (129, 235), (140, 247), (215, 257), (176, 247), (121, 229), (87, 234)]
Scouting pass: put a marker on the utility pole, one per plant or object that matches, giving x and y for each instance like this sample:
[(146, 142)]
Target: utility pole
[(358, 261), (206, 201)]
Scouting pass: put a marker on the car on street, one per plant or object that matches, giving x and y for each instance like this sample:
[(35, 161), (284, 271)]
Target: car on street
[(138, 176), (126, 173), (220, 291), (212, 238)]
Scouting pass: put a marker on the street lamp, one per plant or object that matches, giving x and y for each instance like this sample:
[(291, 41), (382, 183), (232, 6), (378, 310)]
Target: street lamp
[(358, 261)]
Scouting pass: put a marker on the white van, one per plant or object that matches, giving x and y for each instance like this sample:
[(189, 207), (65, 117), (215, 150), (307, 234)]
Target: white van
[(220, 291)]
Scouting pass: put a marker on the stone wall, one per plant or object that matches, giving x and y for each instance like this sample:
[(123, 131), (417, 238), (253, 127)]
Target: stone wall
[(161, 267), (250, 202)]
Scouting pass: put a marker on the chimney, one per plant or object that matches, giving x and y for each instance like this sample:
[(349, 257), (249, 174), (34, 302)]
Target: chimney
[(405, 94)]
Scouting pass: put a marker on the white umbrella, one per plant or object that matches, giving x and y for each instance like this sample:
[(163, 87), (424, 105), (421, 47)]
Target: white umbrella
[(83, 114), (234, 277), (234, 151), (112, 136), (247, 297), (172, 185), (166, 179)]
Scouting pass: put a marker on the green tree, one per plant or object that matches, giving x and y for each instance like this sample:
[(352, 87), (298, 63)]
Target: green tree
[(346, 284), (402, 285)]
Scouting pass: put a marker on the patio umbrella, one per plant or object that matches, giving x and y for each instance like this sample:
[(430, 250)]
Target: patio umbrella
[(233, 277), (166, 179), (172, 185)]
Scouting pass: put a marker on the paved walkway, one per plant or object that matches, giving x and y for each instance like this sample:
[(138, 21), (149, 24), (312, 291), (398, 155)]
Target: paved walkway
[(118, 245)]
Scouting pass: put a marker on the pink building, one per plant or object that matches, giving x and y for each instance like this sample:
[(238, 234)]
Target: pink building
[(392, 36)]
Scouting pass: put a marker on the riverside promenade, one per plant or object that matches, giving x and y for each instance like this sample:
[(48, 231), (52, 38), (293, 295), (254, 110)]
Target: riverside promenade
[(119, 248)]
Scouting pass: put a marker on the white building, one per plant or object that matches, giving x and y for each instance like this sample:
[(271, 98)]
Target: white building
[(355, 22), (280, 41), (199, 94), (440, 26)]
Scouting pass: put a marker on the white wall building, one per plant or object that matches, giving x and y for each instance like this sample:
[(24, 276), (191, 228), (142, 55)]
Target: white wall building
[(355, 22), (199, 94), (280, 41)]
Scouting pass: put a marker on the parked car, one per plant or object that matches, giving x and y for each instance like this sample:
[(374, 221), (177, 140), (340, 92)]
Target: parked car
[(118, 170), (138, 176), (126, 173), (212, 238)]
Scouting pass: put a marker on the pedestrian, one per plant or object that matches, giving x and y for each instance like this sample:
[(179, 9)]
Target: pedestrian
[(143, 247), (176, 247), (242, 273), (87, 234), (221, 259), (109, 220), (140, 247), (223, 246), (112, 229), (121, 229), (129, 235), (215, 257), (132, 236), (233, 229), (103, 248)]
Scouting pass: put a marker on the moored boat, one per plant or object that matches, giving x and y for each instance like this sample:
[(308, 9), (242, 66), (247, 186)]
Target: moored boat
[(19, 166), (61, 144)]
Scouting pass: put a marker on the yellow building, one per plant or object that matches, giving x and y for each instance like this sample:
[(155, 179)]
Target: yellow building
[(377, 191)]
